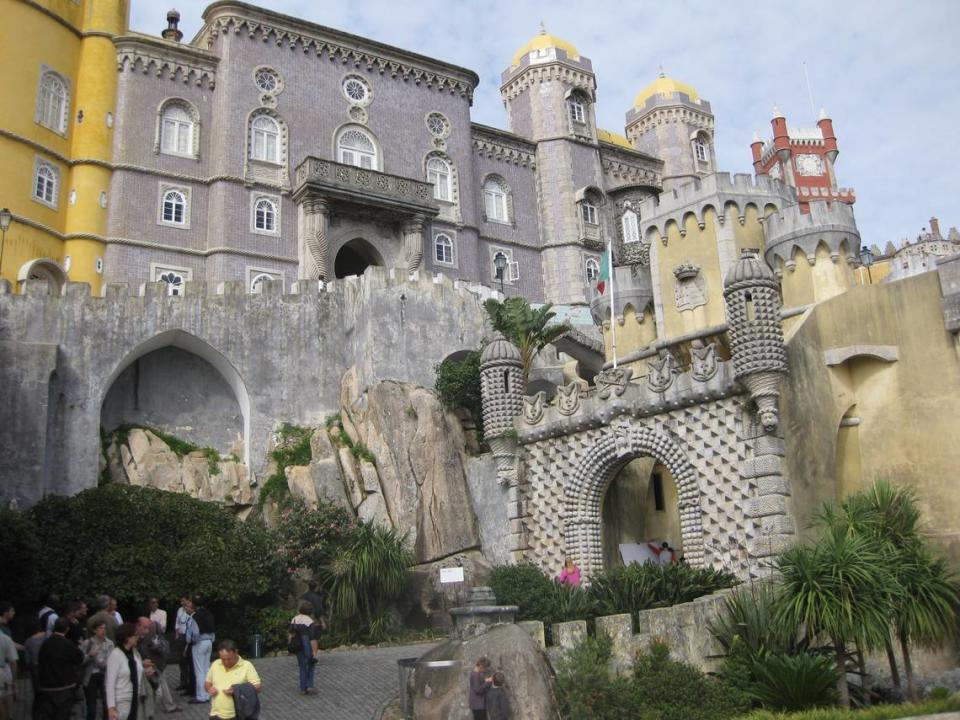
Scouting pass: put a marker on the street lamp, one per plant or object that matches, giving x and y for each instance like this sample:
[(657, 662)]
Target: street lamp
[(500, 263), (866, 259), (6, 217)]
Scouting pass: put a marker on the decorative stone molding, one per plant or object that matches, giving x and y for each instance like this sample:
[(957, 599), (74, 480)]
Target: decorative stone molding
[(175, 64), (690, 290), (371, 60), (568, 399), (614, 380), (502, 150), (704, 361), (662, 372), (533, 407), (549, 72)]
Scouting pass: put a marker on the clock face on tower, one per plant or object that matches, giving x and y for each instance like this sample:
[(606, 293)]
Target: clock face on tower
[(809, 165)]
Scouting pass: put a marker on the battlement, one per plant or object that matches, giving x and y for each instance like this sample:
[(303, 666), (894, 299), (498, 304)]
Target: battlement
[(716, 191), (375, 278), (791, 229)]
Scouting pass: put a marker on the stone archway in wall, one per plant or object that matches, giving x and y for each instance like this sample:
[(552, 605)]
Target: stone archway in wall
[(354, 257), (583, 537), (190, 354)]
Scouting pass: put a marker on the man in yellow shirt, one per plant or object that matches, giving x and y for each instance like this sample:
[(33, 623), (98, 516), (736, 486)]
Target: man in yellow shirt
[(229, 670)]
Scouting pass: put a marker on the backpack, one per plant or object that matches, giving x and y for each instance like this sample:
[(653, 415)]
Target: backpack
[(294, 642)]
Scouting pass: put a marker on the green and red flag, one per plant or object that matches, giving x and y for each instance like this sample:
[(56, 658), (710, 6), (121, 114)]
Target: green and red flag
[(604, 271)]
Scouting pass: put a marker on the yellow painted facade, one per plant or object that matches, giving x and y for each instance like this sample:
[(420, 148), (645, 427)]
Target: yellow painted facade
[(68, 233)]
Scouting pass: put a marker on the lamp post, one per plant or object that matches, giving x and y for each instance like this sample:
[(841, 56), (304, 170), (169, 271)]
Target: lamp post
[(6, 217), (866, 259), (500, 263)]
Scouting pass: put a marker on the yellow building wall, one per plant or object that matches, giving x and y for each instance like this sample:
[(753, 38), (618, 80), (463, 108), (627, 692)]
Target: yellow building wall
[(77, 49), (633, 335), (908, 409)]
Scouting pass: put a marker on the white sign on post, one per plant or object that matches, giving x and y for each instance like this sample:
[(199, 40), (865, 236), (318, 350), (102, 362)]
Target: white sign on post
[(451, 575)]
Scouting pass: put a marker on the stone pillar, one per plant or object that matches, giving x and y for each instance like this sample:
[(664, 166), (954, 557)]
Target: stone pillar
[(413, 243), (313, 244), (769, 505)]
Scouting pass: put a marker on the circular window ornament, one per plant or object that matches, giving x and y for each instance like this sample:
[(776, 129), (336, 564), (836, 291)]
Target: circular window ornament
[(267, 80), (356, 90), (438, 125)]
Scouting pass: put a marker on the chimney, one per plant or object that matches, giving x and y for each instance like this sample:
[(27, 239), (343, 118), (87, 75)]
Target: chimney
[(935, 228), (172, 32)]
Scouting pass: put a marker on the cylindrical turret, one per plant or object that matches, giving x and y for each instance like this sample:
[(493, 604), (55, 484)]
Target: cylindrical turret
[(756, 148), (829, 139), (501, 386), (752, 297), (781, 138)]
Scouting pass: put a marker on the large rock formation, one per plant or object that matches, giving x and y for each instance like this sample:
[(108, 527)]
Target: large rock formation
[(442, 676), (143, 458)]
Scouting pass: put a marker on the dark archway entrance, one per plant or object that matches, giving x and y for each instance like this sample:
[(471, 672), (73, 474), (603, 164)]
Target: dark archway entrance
[(355, 257)]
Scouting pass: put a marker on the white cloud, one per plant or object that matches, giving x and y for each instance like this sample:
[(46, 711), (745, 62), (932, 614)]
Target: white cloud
[(885, 70)]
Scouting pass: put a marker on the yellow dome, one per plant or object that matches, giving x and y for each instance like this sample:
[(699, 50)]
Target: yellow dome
[(542, 41), (614, 139), (665, 86)]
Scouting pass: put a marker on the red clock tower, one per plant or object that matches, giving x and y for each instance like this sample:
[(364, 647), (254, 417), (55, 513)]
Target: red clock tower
[(803, 158)]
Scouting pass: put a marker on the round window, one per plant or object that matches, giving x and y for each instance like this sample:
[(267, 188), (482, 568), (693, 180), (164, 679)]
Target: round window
[(267, 80), (438, 125), (356, 90)]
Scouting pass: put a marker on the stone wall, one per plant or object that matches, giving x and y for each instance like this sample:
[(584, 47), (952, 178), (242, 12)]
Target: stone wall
[(282, 356)]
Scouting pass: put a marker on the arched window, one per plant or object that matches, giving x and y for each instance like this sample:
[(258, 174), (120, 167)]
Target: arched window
[(577, 108), (52, 103), (176, 130), (631, 230), (438, 173), (265, 139), (258, 280), (265, 215), (174, 281), (174, 207), (592, 268), (45, 184), (355, 147), (588, 212), (495, 201), (443, 248), (701, 147)]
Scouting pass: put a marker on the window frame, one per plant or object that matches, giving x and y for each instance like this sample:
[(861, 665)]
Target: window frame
[(577, 110), (340, 148), (443, 186), (275, 202), (157, 270), (451, 239), (589, 213), (255, 274), (60, 122), (498, 197), (511, 272), (277, 158), (588, 261), (51, 183), (164, 190), (189, 126)]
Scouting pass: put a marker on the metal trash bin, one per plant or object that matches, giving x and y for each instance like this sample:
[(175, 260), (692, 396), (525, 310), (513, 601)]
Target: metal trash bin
[(256, 645), (407, 666)]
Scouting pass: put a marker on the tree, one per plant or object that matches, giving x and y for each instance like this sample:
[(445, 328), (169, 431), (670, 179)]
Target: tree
[(458, 384), (837, 588), (526, 327)]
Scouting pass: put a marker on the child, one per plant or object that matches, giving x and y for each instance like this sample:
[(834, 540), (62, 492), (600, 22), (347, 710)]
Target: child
[(498, 707), (479, 684)]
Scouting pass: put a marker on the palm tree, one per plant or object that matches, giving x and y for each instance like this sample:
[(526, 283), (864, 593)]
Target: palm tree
[(528, 328), (925, 616), (837, 588)]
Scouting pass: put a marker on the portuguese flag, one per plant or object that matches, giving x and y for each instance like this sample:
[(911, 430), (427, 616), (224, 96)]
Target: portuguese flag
[(604, 271)]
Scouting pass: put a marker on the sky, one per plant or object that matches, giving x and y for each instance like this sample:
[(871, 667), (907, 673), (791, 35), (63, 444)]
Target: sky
[(887, 72)]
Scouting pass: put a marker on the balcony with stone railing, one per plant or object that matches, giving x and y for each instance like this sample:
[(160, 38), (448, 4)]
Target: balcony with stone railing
[(335, 181)]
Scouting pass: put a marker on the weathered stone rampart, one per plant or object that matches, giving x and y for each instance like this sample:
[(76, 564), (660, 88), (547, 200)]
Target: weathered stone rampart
[(282, 355)]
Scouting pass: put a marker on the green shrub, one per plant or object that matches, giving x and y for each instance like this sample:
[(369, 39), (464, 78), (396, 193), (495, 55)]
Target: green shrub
[(643, 586), (272, 624), (748, 624), (793, 682), (134, 542), (22, 558), (309, 538), (877, 712), (458, 385), (368, 570), (669, 690), (586, 689), (526, 586)]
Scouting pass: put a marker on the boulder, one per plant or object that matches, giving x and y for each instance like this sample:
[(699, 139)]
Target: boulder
[(442, 676), (351, 478), (419, 451), (374, 510), (426, 600), (300, 483), (148, 461)]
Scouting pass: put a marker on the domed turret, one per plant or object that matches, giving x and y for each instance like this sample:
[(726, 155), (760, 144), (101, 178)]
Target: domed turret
[(756, 333), (670, 120), (501, 395), (500, 351), (544, 41)]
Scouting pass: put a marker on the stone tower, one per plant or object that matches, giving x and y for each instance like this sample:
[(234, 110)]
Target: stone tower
[(756, 333), (501, 392), (549, 92), (671, 121), (802, 158)]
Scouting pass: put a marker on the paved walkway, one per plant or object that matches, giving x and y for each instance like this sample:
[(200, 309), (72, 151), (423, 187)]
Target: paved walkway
[(350, 685)]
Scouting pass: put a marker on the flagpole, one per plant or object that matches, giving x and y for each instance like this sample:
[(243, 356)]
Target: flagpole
[(613, 317)]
